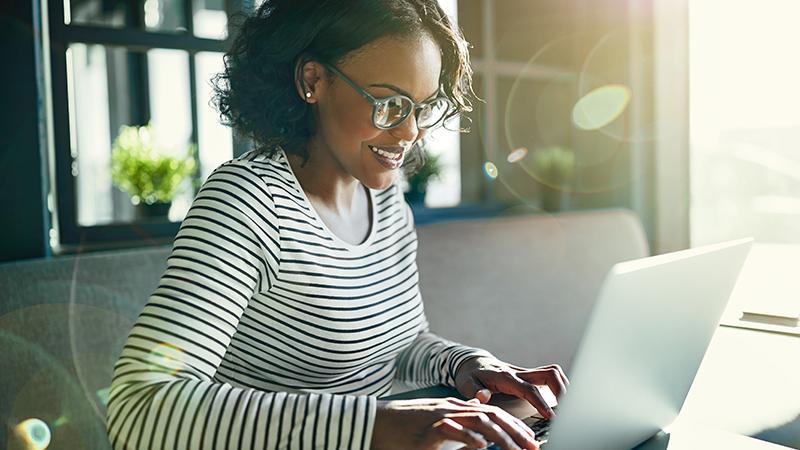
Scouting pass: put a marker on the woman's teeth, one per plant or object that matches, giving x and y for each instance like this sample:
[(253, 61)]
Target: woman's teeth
[(385, 154)]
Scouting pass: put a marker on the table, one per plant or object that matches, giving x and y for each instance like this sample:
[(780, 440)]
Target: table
[(748, 385)]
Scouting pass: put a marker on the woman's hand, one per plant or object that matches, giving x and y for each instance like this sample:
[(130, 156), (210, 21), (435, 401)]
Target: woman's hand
[(480, 377), (424, 424)]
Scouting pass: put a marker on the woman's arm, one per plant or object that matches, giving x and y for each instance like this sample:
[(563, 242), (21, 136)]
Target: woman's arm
[(431, 360), (164, 394)]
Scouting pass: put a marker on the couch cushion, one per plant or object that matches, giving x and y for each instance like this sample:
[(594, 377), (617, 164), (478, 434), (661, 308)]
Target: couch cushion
[(522, 287), (63, 322)]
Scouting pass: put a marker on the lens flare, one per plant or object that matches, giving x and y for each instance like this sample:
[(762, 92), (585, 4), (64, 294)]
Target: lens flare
[(166, 358), (490, 169), (601, 106), (102, 395), (517, 155), (32, 434)]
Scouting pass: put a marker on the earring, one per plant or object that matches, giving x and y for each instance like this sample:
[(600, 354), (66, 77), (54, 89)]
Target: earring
[(308, 94)]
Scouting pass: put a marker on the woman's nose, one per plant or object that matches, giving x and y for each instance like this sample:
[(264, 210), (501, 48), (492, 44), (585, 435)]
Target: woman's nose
[(408, 130)]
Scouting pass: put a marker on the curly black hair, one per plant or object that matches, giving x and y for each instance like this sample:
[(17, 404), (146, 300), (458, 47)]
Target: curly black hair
[(256, 93)]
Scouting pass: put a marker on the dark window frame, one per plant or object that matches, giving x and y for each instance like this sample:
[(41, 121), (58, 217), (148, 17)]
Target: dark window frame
[(73, 236)]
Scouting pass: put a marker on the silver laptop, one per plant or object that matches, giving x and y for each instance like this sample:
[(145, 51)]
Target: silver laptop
[(641, 350)]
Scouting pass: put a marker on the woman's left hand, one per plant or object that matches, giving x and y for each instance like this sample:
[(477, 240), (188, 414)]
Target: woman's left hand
[(481, 376)]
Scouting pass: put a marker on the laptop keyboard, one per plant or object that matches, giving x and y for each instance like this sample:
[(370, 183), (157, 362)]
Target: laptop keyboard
[(540, 427)]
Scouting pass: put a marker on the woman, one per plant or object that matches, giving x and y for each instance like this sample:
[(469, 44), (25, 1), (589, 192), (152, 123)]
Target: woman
[(290, 301)]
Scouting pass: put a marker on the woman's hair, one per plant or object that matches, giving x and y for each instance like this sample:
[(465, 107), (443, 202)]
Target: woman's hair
[(256, 93)]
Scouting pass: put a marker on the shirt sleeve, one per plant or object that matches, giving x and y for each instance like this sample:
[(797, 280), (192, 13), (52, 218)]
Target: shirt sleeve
[(164, 394), (431, 359)]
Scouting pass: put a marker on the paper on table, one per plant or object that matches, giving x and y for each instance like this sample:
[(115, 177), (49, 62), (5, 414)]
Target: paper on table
[(768, 285)]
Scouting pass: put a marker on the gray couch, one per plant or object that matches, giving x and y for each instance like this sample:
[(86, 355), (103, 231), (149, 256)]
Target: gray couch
[(520, 286)]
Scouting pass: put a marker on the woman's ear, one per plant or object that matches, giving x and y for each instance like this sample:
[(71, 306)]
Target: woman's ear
[(307, 79)]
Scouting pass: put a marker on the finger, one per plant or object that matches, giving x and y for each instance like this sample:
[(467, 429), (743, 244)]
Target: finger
[(515, 431), (490, 430), (560, 370), (473, 388), (471, 403), (561, 373), (549, 377), (449, 429), (513, 426), (525, 390)]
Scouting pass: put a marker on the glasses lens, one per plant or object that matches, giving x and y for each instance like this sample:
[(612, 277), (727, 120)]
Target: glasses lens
[(432, 113), (391, 111)]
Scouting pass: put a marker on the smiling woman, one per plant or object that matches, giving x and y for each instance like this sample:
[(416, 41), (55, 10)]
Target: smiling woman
[(290, 303)]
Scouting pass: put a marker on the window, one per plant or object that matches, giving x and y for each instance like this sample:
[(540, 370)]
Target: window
[(745, 140), (130, 63), (446, 190), (536, 64)]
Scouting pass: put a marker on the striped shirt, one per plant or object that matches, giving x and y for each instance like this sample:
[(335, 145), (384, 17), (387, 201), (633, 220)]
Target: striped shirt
[(268, 331)]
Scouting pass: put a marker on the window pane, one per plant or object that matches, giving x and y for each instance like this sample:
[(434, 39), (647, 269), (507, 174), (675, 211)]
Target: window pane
[(156, 15), (164, 15), (210, 19), (446, 189), (105, 92), (91, 70), (521, 29), (744, 140), (470, 13), (216, 145), (168, 79), (98, 12), (745, 130)]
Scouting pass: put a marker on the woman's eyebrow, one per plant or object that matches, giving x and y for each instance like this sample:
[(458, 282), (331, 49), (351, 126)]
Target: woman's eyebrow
[(400, 91)]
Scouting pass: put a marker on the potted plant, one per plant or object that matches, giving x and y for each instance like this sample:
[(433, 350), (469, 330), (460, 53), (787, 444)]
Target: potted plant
[(555, 170), (148, 171), (418, 179)]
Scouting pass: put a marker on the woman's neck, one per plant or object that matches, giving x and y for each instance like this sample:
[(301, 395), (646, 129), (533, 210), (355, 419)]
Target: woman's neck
[(326, 184)]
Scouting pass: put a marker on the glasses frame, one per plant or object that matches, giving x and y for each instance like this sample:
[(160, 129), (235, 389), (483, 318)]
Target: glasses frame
[(415, 107)]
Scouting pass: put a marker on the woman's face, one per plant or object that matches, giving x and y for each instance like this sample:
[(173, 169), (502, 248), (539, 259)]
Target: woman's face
[(388, 66)]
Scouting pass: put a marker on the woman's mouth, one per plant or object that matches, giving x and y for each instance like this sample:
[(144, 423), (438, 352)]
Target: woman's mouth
[(389, 157)]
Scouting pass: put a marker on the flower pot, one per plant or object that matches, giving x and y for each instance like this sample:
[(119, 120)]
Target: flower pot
[(145, 211), (555, 199), (415, 197)]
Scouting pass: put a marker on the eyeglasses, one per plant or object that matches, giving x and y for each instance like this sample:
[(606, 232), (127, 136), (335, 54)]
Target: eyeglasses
[(389, 112)]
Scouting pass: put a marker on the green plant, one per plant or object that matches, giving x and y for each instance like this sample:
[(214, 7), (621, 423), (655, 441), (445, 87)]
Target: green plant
[(555, 165), (143, 168), (430, 169)]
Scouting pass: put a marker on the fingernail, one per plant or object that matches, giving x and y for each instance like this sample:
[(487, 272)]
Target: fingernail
[(480, 441), (486, 393)]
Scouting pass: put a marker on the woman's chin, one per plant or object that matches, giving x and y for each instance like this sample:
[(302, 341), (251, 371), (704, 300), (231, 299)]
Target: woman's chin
[(381, 182)]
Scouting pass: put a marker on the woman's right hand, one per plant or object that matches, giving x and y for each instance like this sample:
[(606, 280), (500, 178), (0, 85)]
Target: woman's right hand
[(424, 424)]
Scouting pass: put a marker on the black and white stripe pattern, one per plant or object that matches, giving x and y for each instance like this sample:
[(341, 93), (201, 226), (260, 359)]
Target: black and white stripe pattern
[(267, 331)]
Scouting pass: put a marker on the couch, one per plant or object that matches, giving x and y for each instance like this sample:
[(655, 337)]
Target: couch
[(520, 286)]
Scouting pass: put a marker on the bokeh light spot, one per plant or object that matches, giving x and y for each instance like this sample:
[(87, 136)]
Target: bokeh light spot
[(102, 395), (166, 358), (33, 434), (517, 155), (490, 169), (601, 106)]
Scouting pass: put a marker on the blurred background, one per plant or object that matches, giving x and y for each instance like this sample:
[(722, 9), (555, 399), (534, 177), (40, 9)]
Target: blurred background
[(683, 111)]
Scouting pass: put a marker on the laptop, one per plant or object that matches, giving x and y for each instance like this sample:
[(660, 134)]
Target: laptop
[(640, 352)]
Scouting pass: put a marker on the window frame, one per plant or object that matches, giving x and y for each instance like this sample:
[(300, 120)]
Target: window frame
[(71, 236)]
